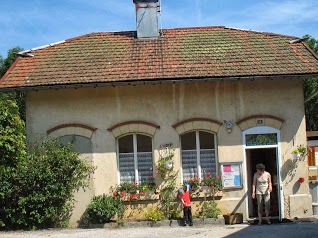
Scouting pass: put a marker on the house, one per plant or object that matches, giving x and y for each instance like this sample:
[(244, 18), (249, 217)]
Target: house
[(225, 99)]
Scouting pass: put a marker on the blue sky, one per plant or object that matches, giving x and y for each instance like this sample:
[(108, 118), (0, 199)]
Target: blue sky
[(33, 23)]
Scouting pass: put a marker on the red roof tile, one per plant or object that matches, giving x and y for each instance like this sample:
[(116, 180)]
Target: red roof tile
[(204, 52)]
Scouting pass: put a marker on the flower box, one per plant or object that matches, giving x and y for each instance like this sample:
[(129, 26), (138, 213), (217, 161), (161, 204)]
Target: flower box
[(202, 193)]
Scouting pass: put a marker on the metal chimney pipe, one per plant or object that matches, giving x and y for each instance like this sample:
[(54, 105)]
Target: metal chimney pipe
[(147, 19)]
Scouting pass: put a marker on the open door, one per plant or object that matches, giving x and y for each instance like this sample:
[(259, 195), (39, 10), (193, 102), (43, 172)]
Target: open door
[(268, 157)]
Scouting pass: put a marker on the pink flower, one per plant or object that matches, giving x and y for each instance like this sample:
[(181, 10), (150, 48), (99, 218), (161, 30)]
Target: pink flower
[(156, 172), (150, 169), (151, 176)]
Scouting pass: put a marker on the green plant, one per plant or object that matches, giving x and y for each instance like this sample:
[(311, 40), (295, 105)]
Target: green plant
[(209, 209), (133, 189), (154, 214), (165, 163), (12, 132), (194, 182), (38, 192), (169, 176), (300, 150), (103, 208), (214, 182)]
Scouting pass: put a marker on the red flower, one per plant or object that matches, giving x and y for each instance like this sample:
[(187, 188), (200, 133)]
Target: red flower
[(115, 193), (151, 176)]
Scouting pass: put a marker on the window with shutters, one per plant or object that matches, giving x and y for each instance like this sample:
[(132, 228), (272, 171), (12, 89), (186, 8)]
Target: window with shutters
[(198, 154), (135, 158)]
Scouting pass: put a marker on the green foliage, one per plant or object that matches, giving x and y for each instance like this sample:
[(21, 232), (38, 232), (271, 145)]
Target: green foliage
[(212, 181), (312, 43), (165, 164), (209, 209), (311, 86), (300, 150), (103, 208), (209, 180), (38, 192), (18, 97), (168, 186), (120, 190), (194, 182), (12, 132), (7, 62), (154, 214)]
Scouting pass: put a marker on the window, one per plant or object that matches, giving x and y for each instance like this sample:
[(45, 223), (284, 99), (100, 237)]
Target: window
[(198, 154), (135, 160)]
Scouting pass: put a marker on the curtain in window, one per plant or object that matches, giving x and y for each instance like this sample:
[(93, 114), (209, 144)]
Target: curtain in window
[(135, 158), (198, 144)]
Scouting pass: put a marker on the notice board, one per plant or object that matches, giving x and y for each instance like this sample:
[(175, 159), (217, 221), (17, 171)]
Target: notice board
[(231, 174)]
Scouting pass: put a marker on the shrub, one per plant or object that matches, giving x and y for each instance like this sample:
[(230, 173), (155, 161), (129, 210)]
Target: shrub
[(103, 208), (154, 214), (209, 209), (38, 192)]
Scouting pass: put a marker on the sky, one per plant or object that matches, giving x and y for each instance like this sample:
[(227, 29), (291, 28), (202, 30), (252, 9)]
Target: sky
[(33, 23)]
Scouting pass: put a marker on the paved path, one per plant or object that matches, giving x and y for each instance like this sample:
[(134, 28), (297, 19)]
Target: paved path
[(288, 230)]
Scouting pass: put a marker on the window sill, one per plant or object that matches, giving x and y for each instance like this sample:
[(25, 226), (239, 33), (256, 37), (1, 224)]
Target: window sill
[(148, 196), (199, 194)]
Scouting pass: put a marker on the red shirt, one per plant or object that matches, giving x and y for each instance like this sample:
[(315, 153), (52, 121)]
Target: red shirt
[(185, 197)]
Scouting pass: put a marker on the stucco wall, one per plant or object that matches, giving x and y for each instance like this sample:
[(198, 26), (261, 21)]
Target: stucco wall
[(165, 105)]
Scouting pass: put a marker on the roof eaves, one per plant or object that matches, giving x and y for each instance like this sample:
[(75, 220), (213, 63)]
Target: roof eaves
[(156, 81)]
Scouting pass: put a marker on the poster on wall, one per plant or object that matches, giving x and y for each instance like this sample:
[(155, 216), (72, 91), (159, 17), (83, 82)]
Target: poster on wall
[(231, 174)]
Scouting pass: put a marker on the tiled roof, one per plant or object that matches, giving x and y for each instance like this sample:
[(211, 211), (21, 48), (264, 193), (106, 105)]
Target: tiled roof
[(204, 52)]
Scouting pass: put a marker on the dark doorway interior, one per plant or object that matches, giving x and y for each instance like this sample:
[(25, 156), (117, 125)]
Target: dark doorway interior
[(268, 157)]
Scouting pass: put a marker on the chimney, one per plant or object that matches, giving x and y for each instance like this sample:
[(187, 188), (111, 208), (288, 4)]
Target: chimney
[(147, 19)]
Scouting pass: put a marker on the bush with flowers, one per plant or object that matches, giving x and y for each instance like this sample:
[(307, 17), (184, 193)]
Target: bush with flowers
[(214, 182), (194, 182)]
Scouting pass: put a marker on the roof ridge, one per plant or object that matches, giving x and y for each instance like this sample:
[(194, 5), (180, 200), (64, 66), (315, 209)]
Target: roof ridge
[(165, 29)]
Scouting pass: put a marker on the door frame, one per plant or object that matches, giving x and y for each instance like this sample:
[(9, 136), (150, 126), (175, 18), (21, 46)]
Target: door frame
[(265, 130)]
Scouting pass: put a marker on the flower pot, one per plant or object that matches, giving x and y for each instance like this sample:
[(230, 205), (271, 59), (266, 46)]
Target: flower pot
[(297, 156)]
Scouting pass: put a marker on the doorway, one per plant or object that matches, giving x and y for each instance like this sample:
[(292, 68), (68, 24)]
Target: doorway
[(268, 157)]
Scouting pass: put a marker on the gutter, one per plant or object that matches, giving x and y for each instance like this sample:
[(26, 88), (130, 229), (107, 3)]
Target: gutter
[(154, 82)]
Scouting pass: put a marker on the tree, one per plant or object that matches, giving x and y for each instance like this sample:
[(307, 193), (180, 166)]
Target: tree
[(310, 86), (5, 64), (12, 132)]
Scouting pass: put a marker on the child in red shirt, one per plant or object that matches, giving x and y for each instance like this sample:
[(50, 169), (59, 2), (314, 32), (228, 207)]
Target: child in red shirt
[(186, 203)]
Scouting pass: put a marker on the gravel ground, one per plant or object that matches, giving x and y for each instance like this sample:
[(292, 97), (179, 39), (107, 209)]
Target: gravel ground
[(290, 230)]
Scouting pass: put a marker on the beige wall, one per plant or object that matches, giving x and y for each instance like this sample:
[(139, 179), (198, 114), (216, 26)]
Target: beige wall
[(165, 105)]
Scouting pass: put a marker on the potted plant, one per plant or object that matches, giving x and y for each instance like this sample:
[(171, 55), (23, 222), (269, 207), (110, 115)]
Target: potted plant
[(300, 152)]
